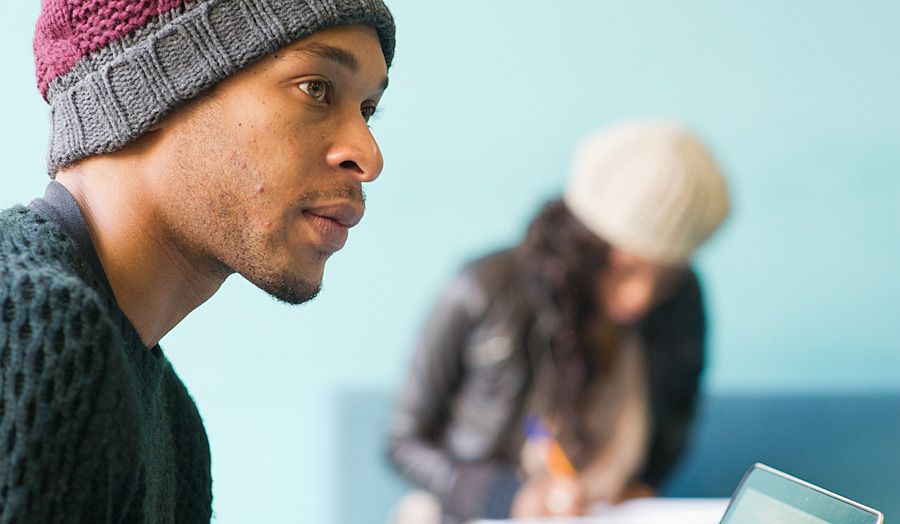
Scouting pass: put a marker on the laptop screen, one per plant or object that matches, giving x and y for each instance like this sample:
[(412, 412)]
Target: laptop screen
[(767, 496)]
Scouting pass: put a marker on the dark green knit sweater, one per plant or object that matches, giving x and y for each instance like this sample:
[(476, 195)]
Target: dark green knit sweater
[(94, 426)]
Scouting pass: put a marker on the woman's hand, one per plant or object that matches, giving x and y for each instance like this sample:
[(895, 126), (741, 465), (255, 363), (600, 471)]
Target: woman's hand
[(548, 496)]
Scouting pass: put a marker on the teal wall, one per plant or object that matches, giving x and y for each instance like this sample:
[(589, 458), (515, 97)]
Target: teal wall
[(800, 100)]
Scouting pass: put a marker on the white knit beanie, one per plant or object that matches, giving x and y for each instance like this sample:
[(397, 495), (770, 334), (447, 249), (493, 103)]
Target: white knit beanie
[(650, 188)]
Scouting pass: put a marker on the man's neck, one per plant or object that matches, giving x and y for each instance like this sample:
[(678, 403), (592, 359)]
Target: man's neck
[(155, 281)]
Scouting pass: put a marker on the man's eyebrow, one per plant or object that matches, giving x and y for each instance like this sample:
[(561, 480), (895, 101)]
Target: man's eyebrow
[(331, 53), (327, 52)]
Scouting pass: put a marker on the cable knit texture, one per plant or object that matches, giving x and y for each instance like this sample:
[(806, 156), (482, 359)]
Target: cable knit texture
[(94, 426), (111, 69)]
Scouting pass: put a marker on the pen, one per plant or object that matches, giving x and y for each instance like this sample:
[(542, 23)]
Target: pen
[(555, 459)]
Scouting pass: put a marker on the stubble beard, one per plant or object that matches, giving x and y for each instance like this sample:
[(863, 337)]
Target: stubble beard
[(252, 259), (244, 250), (284, 287)]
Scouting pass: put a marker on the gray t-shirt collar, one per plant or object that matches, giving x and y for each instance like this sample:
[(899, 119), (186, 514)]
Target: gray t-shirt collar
[(60, 206)]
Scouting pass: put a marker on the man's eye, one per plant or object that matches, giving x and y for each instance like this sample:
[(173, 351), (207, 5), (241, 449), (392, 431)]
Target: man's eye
[(318, 90)]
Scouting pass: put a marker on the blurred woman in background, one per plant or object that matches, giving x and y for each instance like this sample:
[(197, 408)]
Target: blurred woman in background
[(592, 328)]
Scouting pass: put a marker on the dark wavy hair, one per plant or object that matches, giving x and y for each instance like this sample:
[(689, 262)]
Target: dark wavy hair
[(559, 262)]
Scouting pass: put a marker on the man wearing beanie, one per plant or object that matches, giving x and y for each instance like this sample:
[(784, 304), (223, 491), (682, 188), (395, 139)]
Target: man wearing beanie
[(190, 139), (588, 337)]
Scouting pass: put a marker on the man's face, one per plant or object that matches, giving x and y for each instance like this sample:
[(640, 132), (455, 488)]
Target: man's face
[(630, 286), (268, 169)]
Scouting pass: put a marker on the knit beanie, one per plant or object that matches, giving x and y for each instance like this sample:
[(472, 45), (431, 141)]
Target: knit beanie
[(111, 69), (650, 188)]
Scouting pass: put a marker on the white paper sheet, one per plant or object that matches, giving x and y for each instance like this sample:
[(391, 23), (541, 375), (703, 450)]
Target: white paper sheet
[(643, 511)]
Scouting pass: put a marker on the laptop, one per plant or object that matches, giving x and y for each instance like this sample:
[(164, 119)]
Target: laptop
[(768, 496)]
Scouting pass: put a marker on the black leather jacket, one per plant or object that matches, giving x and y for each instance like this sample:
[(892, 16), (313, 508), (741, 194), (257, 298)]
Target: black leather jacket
[(454, 420)]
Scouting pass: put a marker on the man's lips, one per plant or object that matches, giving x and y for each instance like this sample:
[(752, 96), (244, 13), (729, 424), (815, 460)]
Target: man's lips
[(347, 214), (332, 223)]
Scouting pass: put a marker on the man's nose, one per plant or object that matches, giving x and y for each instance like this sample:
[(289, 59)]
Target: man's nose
[(356, 151)]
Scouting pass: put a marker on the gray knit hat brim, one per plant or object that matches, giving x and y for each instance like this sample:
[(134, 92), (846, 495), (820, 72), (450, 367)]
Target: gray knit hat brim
[(113, 96)]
